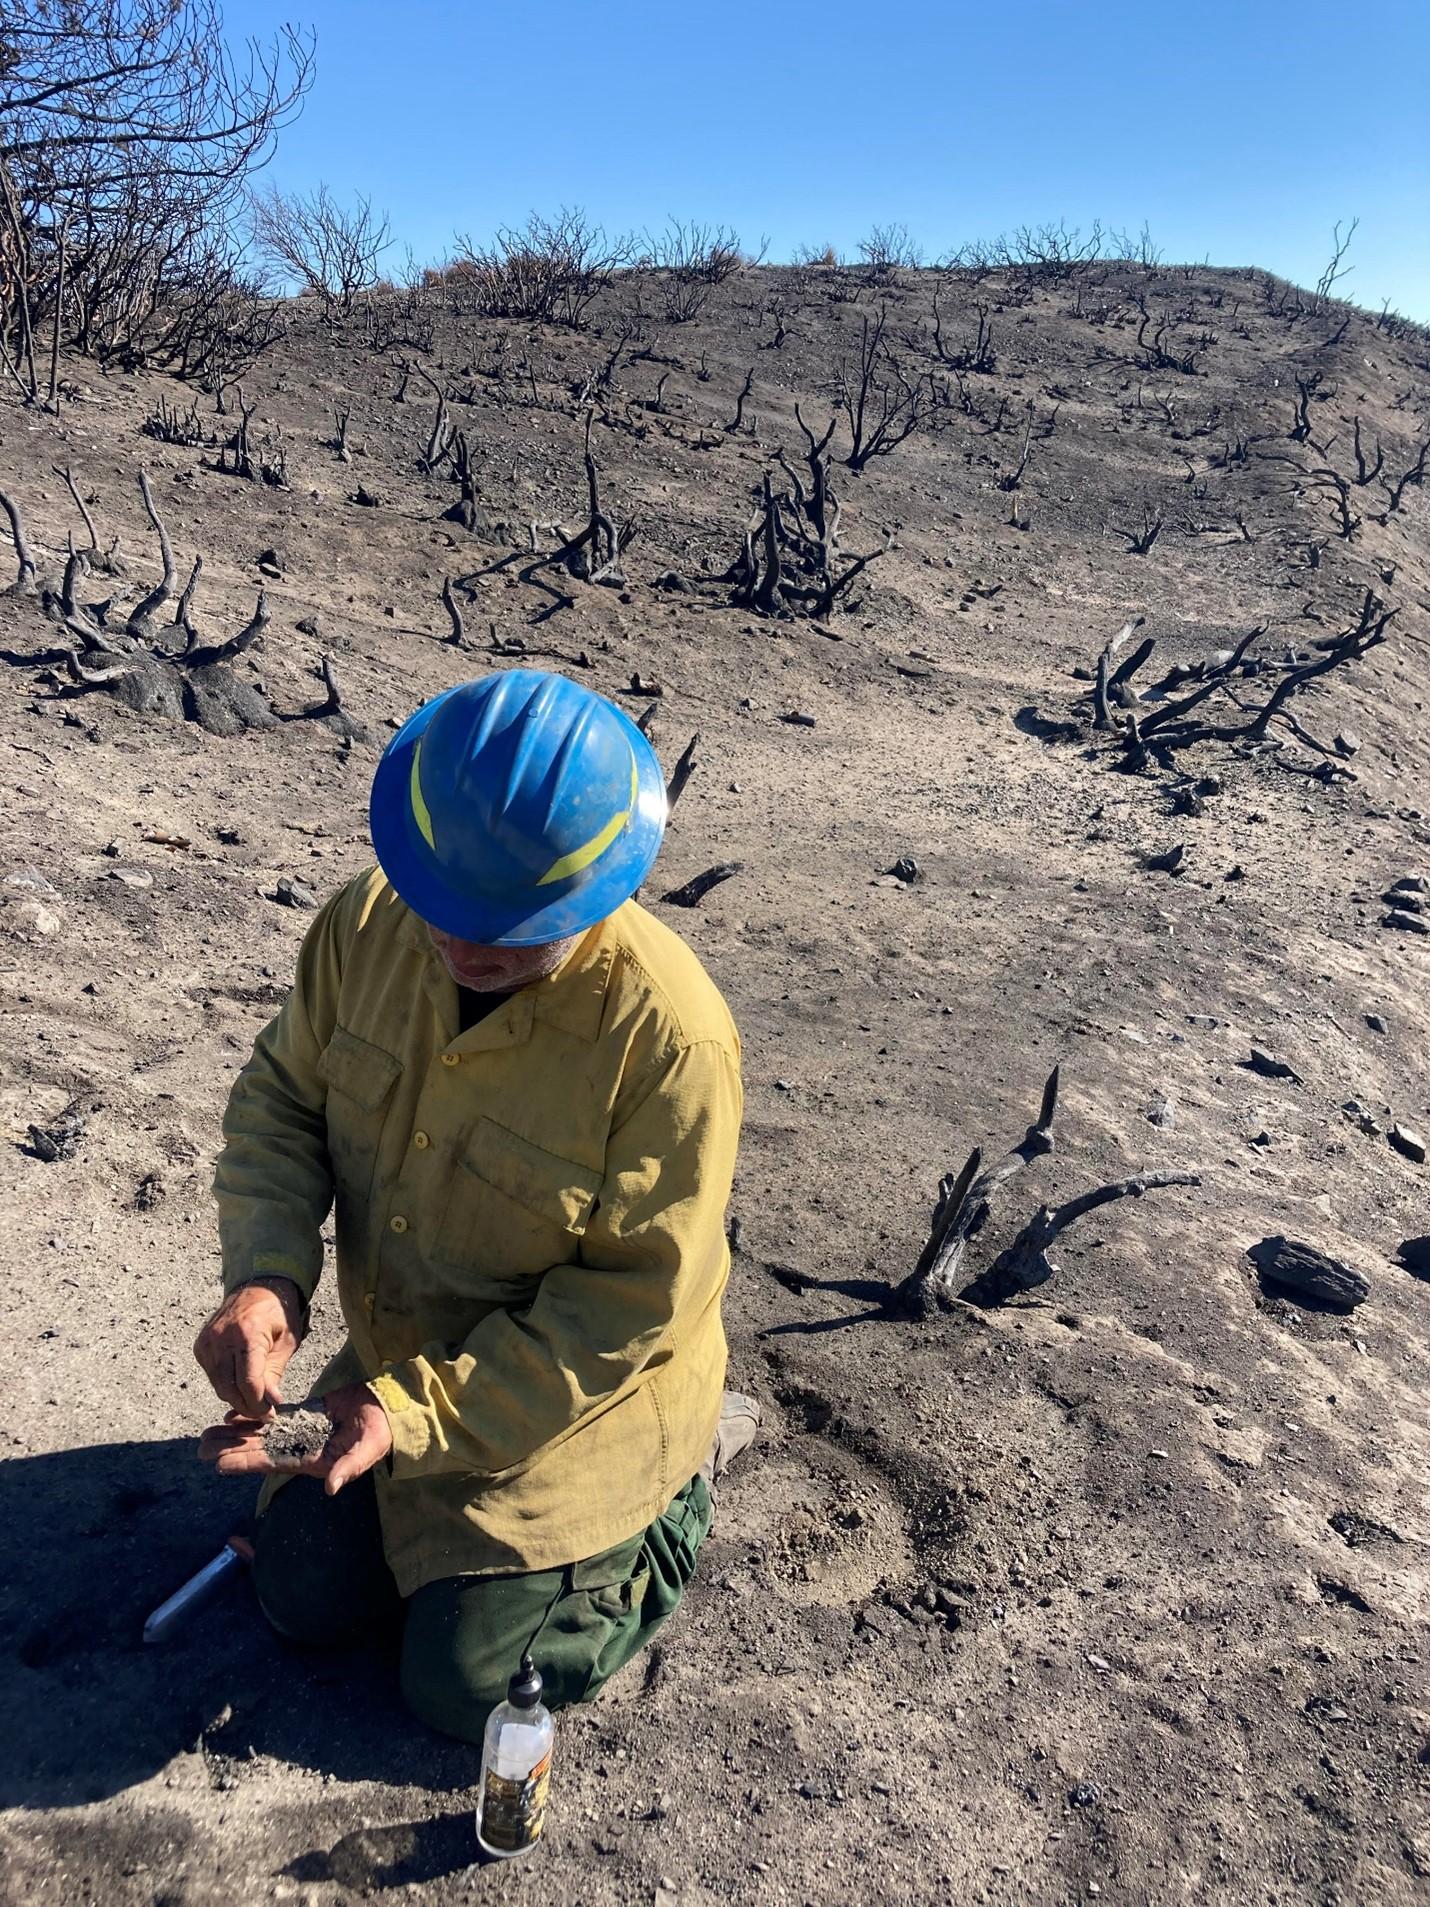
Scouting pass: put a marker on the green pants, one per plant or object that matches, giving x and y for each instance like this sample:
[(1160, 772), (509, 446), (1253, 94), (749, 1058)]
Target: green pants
[(323, 1581)]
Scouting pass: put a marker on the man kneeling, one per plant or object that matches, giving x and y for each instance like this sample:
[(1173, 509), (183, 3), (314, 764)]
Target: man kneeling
[(520, 1095)]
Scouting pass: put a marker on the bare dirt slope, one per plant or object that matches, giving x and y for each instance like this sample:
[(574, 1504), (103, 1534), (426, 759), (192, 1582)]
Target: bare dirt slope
[(1116, 1591)]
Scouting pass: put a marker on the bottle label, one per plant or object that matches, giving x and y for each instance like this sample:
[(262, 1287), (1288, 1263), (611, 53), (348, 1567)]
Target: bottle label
[(514, 1812)]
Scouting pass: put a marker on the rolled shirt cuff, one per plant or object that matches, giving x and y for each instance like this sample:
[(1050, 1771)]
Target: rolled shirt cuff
[(409, 1422), (271, 1264)]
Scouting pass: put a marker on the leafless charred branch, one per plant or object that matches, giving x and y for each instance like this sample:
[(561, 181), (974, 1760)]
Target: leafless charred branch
[(79, 503), (1306, 388), (883, 406), (681, 773), (1141, 541), (1366, 471), (1414, 476), (140, 621), (1012, 479), (694, 891), (24, 582), (978, 356), (550, 269), (457, 637), (1025, 1264), (737, 422), (1109, 683), (1337, 269), (962, 1209), (467, 509), (333, 250), (1170, 722), (205, 654)]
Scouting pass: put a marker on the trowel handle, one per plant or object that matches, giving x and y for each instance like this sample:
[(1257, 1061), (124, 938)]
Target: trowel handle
[(168, 1615)]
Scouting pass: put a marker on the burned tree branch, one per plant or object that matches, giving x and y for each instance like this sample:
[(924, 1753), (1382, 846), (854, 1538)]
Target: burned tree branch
[(1025, 1264), (882, 406), (1106, 681), (1141, 541), (1306, 388), (978, 356), (694, 891), (681, 773), (204, 656), (79, 503), (594, 553), (24, 582), (1366, 471), (1415, 476), (1011, 479), (961, 1211), (103, 676), (145, 612), (457, 637), (737, 422), (1173, 730), (466, 510), (183, 615), (823, 603)]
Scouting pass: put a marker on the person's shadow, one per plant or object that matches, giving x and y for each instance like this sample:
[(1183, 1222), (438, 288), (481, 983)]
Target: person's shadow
[(95, 1540)]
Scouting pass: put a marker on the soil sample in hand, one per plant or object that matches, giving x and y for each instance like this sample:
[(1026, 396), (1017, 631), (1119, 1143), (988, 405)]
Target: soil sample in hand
[(296, 1435)]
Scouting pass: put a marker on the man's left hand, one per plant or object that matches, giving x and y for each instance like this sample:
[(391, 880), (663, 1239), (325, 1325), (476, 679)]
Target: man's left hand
[(360, 1438)]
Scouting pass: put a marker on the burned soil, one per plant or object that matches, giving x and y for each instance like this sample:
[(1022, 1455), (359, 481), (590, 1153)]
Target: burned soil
[(295, 1434)]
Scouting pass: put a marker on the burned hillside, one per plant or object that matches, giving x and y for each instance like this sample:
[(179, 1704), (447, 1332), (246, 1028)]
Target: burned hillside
[(1041, 651)]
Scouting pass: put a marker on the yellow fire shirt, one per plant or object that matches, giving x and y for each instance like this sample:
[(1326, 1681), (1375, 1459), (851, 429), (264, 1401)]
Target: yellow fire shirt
[(530, 1223)]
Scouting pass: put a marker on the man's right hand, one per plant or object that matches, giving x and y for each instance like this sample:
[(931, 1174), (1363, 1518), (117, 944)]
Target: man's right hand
[(245, 1346)]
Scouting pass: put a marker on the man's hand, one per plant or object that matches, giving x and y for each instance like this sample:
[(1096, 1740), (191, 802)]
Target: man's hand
[(245, 1346), (360, 1438)]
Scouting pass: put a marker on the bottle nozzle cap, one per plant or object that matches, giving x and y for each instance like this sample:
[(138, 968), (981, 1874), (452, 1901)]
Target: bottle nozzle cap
[(524, 1688)]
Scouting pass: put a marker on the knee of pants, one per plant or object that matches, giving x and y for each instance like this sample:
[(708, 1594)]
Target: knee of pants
[(453, 1673), (318, 1569), (453, 1694), (464, 1639)]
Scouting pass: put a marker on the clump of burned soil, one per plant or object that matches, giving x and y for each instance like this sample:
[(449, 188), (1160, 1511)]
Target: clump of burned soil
[(296, 1434)]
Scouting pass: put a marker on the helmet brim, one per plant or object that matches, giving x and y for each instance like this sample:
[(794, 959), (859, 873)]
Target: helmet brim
[(405, 859)]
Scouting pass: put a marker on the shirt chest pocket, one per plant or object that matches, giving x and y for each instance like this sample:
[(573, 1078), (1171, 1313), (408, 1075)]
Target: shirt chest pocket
[(360, 1078), (512, 1208)]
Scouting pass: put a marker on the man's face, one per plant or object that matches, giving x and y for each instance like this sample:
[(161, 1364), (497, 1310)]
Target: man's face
[(498, 969)]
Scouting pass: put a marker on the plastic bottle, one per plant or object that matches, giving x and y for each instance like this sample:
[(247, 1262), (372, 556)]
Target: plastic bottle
[(516, 1768)]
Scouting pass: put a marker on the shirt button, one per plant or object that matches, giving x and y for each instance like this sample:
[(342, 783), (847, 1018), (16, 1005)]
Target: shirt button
[(421, 1141), (451, 1059), (397, 1223)]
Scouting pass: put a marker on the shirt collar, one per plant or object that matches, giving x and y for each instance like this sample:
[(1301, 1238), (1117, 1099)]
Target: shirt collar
[(574, 998)]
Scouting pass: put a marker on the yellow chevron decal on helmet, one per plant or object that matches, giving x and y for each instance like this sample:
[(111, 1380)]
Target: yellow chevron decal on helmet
[(420, 812), (582, 857)]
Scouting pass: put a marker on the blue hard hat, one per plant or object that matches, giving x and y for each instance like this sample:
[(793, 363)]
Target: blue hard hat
[(517, 809)]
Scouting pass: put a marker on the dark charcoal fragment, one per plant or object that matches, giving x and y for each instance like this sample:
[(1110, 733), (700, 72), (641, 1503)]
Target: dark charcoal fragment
[(1311, 1273), (59, 1141), (693, 892), (1357, 1530)]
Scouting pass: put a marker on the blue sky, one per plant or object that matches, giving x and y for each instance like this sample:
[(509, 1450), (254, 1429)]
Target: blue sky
[(1239, 132)]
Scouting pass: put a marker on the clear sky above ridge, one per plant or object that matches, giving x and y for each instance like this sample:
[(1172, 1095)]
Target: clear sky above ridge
[(1238, 132)]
